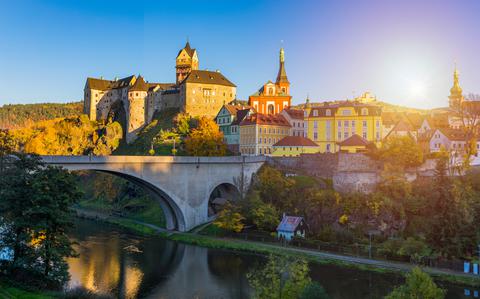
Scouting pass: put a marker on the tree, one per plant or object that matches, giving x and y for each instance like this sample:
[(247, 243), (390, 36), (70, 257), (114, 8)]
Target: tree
[(314, 290), (230, 219), (419, 285), (35, 207), (279, 278), (274, 187), (402, 151), (17, 205), (55, 193), (205, 140)]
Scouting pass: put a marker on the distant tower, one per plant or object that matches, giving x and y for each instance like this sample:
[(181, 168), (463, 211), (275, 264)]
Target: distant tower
[(456, 96), (187, 60), (282, 80)]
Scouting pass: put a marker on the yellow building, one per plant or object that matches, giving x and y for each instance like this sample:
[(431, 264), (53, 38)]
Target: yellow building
[(259, 132), (330, 123), (294, 146)]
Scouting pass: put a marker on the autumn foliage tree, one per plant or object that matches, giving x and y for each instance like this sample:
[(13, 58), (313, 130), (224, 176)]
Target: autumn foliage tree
[(205, 140)]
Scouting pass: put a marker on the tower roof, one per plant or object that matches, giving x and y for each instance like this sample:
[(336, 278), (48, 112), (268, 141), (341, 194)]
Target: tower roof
[(456, 90), (139, 85), (282, 74), (190, 51)]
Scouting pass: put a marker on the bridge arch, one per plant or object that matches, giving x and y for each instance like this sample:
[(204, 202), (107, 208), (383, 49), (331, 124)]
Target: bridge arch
[(219, 194), (175, 220)]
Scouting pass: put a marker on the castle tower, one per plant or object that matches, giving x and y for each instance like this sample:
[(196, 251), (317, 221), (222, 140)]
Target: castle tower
[(282, 80), (456, 96), (187, 60)]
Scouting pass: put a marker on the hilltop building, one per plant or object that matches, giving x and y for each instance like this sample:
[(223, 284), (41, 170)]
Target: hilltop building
[(272, 98), (196, 92)]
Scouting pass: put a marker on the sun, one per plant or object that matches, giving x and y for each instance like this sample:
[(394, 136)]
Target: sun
[(418, 89)]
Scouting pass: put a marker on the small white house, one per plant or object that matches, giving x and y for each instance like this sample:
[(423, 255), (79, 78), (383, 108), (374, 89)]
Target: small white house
[(291, 226)]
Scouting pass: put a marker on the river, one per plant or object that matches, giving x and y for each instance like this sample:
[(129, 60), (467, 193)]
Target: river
[(116, 263)]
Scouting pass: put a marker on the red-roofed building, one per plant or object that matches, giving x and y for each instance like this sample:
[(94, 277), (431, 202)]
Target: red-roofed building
[(258, 132), (294, 146), (354, 144)]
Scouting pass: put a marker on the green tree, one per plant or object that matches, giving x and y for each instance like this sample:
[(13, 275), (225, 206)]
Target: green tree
[(55, 193), (418, 285), (17, 205), (205, 140), (230, 219), (279, 278), (314, 290), (402, 151)]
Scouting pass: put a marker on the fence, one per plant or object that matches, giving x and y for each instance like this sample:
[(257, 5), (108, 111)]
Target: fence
[(356, 250)]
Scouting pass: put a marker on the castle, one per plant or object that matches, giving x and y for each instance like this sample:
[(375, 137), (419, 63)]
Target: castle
[(196, 92)]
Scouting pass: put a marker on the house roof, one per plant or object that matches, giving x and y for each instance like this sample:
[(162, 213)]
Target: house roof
[(289, 223), (265, 119), (294, 113), (453, 134), (162, 86), (295, 141), (207, 77), (354, 140), (241, 114), (102, 84), (403, 126), (233, 109), (373, 109)]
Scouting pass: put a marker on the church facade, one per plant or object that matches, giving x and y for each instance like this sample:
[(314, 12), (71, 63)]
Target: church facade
[(272, 98), (196, 92)]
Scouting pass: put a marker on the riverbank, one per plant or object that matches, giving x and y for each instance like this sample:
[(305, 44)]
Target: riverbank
[(320, 257), (8, 291)]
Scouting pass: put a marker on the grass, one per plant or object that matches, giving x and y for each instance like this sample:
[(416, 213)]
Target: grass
[(8, 291), (141, 145)]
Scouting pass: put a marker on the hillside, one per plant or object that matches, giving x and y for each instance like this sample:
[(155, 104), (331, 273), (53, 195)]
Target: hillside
[(21, 116), (141, 145)]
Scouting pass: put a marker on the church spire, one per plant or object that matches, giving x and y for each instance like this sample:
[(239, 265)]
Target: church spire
[(456, 90), (282, 74)]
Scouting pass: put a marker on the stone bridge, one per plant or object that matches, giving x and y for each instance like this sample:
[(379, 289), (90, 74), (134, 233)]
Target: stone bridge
[(182, 185)]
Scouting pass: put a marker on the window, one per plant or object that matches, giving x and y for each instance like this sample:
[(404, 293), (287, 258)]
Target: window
[(378, 136), (315, 136), (315, 124), (259, 130), (345, 124), (259, 140), (270, 90), (315, 112), (328, 147), (305, 113), (364, 135), (271, 109), (346, 112), (294, 124), (378, 124), (269, 140), (339, 123), (353, 125), (364, 111), (339, 135), (364, 123), (345, 135), (206, 92), (328, 112)]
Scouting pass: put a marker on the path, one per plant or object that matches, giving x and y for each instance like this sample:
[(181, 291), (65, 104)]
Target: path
[(397, 266)]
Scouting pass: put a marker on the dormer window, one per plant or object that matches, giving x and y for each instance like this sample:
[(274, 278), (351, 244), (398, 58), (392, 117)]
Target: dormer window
[(364, 111), (315, 112), (328, 112)]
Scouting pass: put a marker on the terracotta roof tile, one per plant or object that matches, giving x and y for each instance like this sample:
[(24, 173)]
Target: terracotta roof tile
[(354, 140), (265, 119), (207, 77), (295, 141)]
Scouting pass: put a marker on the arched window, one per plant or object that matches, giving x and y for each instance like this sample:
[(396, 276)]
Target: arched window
[(328, 112), (270, 90), (315, 112), (364, 111), (271, 109)]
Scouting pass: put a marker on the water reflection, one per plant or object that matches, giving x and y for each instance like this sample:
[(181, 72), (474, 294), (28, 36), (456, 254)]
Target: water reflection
[(114, 263)]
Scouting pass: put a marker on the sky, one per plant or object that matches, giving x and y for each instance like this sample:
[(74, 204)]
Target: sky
[(403, 52)]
